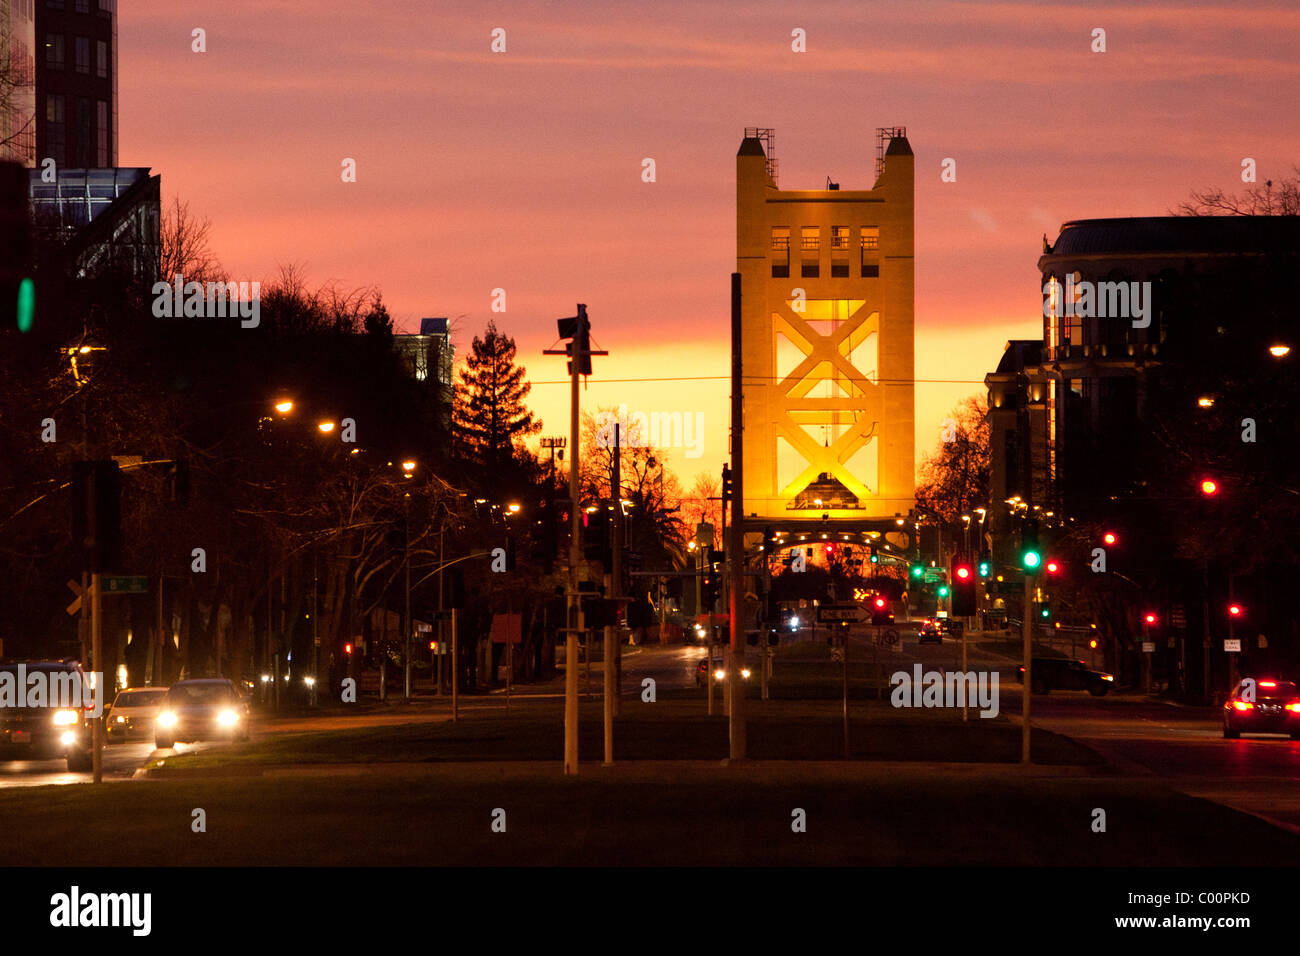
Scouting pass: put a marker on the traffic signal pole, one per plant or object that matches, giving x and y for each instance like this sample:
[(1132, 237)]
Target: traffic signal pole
[(574, 609), (736, 544), (97, 666), (1027, 689)]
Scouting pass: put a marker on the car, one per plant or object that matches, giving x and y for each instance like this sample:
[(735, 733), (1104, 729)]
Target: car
[(719, 671), (950, 626), (1263, 705), (201, 709), (134, 712), (1065, 673), (929, 633), (47, 732)]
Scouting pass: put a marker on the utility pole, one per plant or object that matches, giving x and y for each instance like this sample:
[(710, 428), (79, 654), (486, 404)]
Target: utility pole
[(736, 546), (577, 328), (406, 618), (616, 592)]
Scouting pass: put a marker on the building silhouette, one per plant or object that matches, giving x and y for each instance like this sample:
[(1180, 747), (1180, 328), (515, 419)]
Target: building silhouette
[(76, 82)]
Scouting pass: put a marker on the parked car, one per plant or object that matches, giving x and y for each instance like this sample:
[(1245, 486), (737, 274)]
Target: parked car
[(1064, 673), (46, 732), (929, 633), (1271, 706), (202, 709), (719, 671), (134, 712)]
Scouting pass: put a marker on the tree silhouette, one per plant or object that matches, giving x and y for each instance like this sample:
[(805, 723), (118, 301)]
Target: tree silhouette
[(489, 415)]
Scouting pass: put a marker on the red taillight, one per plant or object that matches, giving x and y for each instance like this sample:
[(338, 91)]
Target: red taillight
[(1242, 705), (1268, 683), (1294, 706)]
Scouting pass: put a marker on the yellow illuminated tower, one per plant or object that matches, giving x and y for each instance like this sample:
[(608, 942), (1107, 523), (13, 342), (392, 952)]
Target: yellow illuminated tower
[(827, 343)]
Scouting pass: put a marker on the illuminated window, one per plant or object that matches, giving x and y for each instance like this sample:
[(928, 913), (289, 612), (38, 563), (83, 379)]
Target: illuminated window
[(839, 252), (810, 245), (780, 252)]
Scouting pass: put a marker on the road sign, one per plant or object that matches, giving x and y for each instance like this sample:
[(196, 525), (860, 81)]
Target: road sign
[(933, 575), (125, 584), (828, 613), (1233, 646), (422, 628), (837, 655), (75, 606), (1148, 647)]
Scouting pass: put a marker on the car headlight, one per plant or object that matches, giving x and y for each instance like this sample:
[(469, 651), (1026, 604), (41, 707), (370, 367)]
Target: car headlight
[(719, 674), (63, 718), (1107, 677), (68, 738), (744, 672), (121, 720), (794, 622), (167, 719), (227, 718)]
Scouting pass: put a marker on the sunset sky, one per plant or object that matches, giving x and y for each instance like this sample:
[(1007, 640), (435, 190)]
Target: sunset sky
[(521, 170)]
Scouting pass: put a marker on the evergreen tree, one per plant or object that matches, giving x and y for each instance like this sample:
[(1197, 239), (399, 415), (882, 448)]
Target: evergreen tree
[(489, 415)]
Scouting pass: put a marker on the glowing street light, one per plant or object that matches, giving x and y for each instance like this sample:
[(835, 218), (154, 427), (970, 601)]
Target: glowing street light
[(284, 406), (1279, 351), (325, 427)]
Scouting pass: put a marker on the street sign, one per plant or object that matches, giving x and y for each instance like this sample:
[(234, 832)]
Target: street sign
[(1148, 647), (125, 584), (840, 612), (933, 575), (1233, 646), (837, 655), (423, 628)]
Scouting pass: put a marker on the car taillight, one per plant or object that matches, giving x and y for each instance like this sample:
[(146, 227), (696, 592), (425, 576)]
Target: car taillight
[(1268, 683), (1242, 705), (1294, 706)]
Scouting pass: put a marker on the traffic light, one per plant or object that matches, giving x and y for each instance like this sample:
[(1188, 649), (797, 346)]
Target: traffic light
[(943, 591), (96, 514), (1209, 487), (709, 594), (577, 328), (769, 539), (17, 289), (1052, 566), (726, 483), (880, 610), (596, 545), (1044, 610), (917, 572), (1236, 610), (1109, 538), (963, 588), (1030, 557), (1150, 619), (875, 555), (985, 565)]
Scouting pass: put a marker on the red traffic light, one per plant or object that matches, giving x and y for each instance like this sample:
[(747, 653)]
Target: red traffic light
[(1053, 567), (1234, 610), (963, 571), (1109, 537), (880, 602), (1150, 618), (347, 648), (1209, 487), (1093, 645)]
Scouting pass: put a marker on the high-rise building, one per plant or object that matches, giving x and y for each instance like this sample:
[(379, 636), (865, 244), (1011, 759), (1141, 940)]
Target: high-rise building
[(827, 339), (17, 81), (76, 83)]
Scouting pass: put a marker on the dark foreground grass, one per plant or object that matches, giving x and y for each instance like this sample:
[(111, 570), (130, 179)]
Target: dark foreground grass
[(712, 815), (672, 730)]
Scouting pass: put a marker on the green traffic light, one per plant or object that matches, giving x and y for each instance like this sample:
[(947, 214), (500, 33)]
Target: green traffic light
[(1031, 560), (26, 304), (943, 590), (985, 569), (1045, 612), (917, 571)]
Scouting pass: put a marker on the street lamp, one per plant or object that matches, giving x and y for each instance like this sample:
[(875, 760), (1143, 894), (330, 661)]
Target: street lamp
[(325, 427), (1279, 350), (284, 406)]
